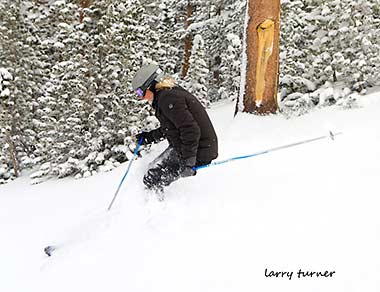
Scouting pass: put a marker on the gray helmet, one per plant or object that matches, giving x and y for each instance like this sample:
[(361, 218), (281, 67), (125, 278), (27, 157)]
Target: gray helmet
[(144, 78)]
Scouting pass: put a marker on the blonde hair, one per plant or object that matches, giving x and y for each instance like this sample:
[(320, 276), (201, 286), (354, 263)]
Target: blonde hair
[(166, 83)]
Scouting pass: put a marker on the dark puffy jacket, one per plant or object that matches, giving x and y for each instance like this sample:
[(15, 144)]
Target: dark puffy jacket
[(185, 123)]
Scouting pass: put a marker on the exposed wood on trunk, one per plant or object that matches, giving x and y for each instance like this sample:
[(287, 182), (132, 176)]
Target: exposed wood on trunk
[(83, 4), (262, 56), (188, 40)]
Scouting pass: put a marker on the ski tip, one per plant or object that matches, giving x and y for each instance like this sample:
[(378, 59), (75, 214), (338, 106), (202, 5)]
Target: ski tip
[(49, 250)]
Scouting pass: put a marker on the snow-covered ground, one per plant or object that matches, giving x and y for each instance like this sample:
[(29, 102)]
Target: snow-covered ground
[(312, 207)]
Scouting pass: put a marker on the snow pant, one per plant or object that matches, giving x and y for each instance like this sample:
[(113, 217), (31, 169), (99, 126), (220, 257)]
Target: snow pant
[(165, 169)]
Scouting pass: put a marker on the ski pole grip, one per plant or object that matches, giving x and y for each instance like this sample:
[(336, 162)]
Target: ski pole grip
[(141, 139)]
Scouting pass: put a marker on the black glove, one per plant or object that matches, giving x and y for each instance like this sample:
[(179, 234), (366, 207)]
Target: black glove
[(154, 136), (187, 167), (145, 138)]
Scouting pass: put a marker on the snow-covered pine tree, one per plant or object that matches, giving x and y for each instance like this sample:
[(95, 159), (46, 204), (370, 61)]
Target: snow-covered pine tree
[(198, 74), (328, 44), (191, 15), (92, 66), (19, 58), (111, 34), (213, 21), (231, 53), (294, 42), (122, 48), (212, 34), (7, 167), (355, 25), (68, 88), (44, 30), (164, 25), (231, 68)]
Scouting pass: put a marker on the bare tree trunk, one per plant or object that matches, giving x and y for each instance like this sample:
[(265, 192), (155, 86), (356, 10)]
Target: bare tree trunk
[(83, 4), (188, 40), (12, 152), (263, 33)]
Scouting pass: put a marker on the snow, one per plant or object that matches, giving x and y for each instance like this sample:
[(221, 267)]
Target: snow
[(312, 207), (5, 93), (59, 45), (200, 24), (4, 74), (234, 39), (2, 170)]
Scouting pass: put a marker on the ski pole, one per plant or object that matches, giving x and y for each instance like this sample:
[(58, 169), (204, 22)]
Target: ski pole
[(330, 135), (125, 175)]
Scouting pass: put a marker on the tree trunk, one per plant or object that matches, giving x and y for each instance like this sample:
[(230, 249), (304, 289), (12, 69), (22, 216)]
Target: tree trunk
[(262, 52), (188, 40), (83, 4), (12, 153)]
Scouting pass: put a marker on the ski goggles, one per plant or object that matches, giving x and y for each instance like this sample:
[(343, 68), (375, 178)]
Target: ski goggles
[(140, 92)]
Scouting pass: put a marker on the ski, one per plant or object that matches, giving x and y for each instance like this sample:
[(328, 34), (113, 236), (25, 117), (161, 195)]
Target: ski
[(49, 250)]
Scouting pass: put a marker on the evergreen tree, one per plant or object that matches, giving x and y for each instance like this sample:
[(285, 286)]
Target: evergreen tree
[(164, 25), (231, 53), (99, 107), (328, 44), (197, 77), (6, 167), (231, 68), (18, 57), (212, 33)]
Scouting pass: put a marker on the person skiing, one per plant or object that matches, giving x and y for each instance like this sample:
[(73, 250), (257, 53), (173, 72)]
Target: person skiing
[(183, 122)]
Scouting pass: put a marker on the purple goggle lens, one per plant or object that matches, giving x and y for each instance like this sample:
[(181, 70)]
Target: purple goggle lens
[(140, 92)]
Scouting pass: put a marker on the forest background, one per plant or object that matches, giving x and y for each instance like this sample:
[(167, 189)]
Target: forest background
[(66, 104)]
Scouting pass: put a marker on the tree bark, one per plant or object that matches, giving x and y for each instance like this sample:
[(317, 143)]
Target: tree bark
[(12, 153), (262, 52), (83, 4), (188, 40)]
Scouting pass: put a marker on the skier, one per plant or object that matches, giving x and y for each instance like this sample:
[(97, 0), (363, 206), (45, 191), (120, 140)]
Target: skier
[(183, 122)]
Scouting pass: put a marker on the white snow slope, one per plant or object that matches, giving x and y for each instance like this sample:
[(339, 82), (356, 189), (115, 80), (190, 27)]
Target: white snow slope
[(312, 207)]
